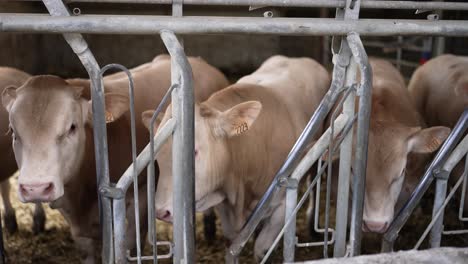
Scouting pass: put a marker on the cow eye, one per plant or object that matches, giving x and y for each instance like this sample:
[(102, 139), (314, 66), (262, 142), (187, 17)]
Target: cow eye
[(196, 152), (72, 129)]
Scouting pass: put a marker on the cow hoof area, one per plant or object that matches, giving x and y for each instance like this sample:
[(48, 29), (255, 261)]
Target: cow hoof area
[(10, 223)]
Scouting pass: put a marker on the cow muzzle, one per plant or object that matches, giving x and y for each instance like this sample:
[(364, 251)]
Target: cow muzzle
[(38, 192), (374, 226), (164, 215)]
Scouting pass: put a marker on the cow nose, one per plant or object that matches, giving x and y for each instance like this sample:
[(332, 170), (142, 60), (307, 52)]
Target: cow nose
[(374, 226), (41, 192), (164, 215)]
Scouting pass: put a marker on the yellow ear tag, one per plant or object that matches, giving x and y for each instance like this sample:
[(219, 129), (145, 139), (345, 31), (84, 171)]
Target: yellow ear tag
[(241, 128), (109, 117)]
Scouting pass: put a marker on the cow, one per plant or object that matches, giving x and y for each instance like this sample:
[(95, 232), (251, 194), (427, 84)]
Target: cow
[(398, 147), (11, 76), (243, 134), (51, 121), (439, 90)]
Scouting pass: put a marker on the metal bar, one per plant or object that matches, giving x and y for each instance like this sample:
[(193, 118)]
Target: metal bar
[(465, 186), (80, 48), (114, 24), (341, 221), (131, 92), (310, 130), (362, 137), (291, 193), (182, 152), (2, 248), (152, 239), (119, 204), (439, 198), (405, 212), (311, 157), (370, 4), (438, 214), (441, 191)]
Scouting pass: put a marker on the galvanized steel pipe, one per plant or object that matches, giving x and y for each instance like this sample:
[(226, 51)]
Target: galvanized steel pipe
[(369, 4), (116, 24)]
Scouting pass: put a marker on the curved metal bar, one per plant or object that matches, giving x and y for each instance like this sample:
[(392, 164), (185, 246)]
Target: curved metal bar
[(405, 212), (81, 49), (131, 91), (183, 164), (362, 137)]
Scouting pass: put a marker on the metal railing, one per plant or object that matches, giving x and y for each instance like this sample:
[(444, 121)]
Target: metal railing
[(349, 56)]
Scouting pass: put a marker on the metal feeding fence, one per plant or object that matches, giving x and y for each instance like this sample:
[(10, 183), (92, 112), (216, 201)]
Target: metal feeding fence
[(349, 56)]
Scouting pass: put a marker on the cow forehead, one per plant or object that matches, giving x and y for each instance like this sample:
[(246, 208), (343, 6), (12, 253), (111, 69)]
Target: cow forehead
[(42, 110)]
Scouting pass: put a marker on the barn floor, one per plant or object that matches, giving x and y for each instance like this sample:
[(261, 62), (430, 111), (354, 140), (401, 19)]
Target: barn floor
[(56, 245)]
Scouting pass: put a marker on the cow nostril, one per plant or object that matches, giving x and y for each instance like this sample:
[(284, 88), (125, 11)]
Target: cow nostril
[(48, 189), (23, 190)]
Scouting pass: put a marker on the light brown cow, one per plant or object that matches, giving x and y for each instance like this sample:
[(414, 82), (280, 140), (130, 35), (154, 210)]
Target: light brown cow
[(439, 90), (54, 147), (11, 76), (243, 135), (397, 143)]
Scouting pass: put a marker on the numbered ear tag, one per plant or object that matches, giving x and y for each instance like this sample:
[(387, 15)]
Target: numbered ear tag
[(242, 128), (109, 117)]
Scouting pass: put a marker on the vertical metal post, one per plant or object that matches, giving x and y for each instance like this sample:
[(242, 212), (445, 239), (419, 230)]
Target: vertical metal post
[(360, 160), (289, 240), (80, 48), (440, 194), (182, 152), (345, 168), (119, 230), (2, 248), (438, 47)]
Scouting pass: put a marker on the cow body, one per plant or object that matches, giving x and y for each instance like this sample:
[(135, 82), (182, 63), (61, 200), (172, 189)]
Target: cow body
[(439, 90), (55, 116), (397, 148), (243, 135), (12, 77)]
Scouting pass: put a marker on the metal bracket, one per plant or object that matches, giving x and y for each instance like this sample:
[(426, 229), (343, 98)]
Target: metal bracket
[(441, 174), (288, 182), (112, 192)]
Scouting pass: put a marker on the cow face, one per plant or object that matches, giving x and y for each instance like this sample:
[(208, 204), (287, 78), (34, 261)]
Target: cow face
[(390, 145), (213, 129), (48, 119)]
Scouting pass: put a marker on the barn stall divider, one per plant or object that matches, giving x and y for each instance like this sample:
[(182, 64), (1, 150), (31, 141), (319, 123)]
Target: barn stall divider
[(349, 56)]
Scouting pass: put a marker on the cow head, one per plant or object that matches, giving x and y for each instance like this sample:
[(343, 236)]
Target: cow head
[(390, 145), (213, 129), (48, 120)]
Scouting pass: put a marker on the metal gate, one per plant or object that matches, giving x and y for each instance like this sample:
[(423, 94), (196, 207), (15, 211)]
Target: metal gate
[(349, 56)]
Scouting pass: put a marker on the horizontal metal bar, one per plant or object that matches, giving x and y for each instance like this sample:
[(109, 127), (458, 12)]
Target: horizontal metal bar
[(455, 232), (144, 158), (370, 4), (114, 24)]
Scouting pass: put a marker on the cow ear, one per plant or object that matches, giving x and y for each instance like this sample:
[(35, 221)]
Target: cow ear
[(146, 119), (239, 119), (8, 97), (428, 140), (116, 106)]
